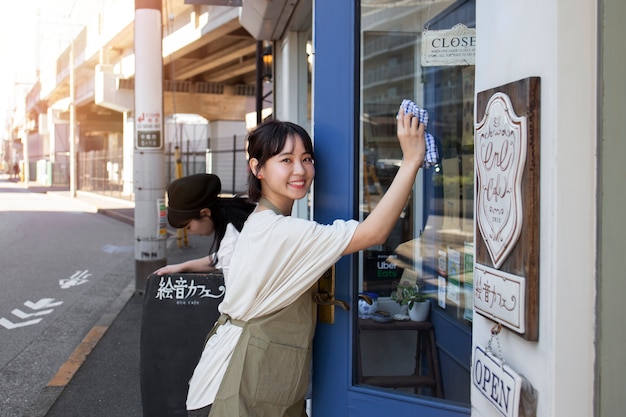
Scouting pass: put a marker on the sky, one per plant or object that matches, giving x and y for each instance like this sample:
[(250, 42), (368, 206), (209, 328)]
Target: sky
[(31, 31)]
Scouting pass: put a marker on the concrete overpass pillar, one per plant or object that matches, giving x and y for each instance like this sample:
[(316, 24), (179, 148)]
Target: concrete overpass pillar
[(149, 151)]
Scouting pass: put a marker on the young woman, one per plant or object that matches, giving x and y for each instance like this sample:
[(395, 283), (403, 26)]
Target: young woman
[(194, 205), (256, 360)]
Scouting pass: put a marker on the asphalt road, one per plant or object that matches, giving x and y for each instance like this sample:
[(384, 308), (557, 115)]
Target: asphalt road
[(61, 266)]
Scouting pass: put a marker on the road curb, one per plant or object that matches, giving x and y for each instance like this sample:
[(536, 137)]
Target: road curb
[(117, 216), (53, 390)]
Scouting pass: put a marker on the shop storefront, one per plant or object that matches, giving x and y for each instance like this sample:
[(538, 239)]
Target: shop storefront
[(400, 366), (524, 321), (450, 57)]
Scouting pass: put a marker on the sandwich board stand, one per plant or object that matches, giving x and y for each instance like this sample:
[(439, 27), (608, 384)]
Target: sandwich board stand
[(179, 310)]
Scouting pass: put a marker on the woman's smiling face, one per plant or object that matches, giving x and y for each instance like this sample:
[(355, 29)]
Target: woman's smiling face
[(289, 174)]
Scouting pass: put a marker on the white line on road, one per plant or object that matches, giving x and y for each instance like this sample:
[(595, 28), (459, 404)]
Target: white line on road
[(19, 313), (10, 325)]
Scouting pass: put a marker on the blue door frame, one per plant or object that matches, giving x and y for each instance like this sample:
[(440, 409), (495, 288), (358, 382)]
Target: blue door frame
[(335, 132)]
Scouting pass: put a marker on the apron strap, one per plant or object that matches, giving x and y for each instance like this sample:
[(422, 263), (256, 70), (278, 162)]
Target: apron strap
[(224, 318)]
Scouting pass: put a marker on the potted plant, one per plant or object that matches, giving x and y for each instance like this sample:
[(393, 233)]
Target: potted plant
[(410, 295)]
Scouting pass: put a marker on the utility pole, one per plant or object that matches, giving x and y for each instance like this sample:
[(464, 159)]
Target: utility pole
[(25, 152), (149, 150), (72, 134)]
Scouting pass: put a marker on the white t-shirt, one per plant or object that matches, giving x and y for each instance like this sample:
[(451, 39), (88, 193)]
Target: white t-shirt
[(227, 247), (276, 260)]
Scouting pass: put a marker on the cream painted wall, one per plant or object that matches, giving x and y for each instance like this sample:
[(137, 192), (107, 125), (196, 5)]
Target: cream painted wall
[(555, 40)]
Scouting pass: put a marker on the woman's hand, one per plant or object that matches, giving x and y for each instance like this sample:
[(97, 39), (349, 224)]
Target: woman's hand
[(411, 137), (170, 269), (203, 264)]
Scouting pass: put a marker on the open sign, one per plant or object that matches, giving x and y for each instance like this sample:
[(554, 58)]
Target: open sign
[(497, 382)]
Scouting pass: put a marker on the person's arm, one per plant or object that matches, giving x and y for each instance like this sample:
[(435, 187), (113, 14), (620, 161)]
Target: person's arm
[(377, 226), (193, 265)]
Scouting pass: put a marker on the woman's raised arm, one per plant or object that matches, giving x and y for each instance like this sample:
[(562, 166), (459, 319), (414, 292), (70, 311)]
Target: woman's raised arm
[(378, 225)]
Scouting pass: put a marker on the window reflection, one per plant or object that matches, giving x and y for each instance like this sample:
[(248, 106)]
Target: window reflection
[(432, 243)]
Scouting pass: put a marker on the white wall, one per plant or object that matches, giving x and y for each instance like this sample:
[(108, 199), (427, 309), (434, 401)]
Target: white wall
[(291, 93), (221, 133), (555, 40), (227, 128)]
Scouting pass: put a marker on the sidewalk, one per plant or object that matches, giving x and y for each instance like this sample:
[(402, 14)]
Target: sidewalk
[(104, 370)]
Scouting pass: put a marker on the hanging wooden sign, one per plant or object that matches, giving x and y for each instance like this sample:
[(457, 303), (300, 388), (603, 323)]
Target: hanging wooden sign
[(506, 143), (500, 296)]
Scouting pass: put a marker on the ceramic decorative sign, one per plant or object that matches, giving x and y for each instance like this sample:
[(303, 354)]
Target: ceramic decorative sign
[(506, 166), (500, 144)]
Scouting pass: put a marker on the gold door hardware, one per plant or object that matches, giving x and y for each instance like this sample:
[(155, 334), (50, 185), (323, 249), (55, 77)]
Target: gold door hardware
[(325, 298)]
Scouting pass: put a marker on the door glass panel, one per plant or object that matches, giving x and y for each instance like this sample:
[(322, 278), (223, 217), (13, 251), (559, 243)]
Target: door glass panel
[(432, 243)]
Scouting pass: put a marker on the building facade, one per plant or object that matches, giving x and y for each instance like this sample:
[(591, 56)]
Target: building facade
[(341, 69)]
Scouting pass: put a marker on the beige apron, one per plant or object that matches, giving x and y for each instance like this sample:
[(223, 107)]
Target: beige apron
[(268, 374)]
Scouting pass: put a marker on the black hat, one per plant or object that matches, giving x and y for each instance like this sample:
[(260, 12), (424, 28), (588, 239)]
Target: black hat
[(188, 195)]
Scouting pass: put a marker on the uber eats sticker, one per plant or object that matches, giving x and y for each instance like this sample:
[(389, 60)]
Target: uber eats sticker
[(382, 270)]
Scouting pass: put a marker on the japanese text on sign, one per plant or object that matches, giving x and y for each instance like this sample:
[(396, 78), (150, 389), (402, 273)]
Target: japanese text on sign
[(148, 139), (500, 296), (149, 130), (149, 121), (184, 291)]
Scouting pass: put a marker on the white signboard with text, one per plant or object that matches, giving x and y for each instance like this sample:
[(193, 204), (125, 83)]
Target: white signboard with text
[(500, 296), (456, 46), (499, 383)]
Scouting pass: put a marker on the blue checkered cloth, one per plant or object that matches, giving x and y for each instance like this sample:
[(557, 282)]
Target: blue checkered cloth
[(432, 156)]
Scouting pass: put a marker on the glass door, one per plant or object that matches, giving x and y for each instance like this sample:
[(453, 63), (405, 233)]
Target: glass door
[(429, 255), (375, 360)]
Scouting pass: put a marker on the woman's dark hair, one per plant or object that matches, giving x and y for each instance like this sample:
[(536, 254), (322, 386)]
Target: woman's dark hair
[(188, 196), (267, 140), (233, 210)]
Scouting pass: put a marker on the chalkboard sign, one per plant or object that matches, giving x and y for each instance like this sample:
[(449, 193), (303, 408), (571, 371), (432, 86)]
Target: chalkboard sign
[(179, 310)]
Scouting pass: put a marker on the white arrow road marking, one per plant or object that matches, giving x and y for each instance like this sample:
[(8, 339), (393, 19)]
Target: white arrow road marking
[(9, 325), (39, 305), (81, 274), (43, 303), (80, 277), (19, 313)]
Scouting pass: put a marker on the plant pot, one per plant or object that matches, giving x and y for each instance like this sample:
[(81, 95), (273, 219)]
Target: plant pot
[(420, 311)]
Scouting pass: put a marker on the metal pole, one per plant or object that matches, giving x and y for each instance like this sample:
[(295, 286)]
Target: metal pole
[(181, 234), (259, 82), (72, 124), (234, 162), (187, 162), (149, 158), (25, 152), (208, 157)]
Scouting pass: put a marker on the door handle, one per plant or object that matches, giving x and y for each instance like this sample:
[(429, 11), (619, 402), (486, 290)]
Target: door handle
[(325, 298)]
